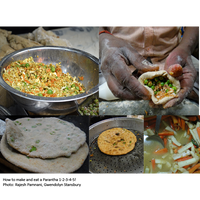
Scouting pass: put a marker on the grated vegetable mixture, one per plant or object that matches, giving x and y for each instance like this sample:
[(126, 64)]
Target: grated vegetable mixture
[(40, 79)]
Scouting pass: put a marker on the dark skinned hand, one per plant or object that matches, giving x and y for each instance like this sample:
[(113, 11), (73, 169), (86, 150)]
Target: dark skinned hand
[(116, 56), (183, 57)]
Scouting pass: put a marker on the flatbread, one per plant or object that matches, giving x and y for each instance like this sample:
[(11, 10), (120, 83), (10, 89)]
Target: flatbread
[(116, 141), (57, 165), (48, 38), (16, 42), (151, 75), (44, 137)]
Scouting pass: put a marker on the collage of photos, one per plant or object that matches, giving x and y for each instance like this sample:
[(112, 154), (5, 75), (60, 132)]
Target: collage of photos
[(99, 100)]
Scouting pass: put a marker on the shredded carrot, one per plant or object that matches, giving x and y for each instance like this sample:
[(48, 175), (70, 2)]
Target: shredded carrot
[(165, 141), (197, 171), (58, 74), (80, 88), (198, 131), (27, 81), (188, 130), (162, 137), (192, 118), (186, 166), (175, 150), (174, 144), (161, 151), (81, 78), (194, 168), (171, 123), (190, 137), (198, 116), (183, 124), (53, 95), (179, 122), (184, 158), (153, 162), (166, 133)]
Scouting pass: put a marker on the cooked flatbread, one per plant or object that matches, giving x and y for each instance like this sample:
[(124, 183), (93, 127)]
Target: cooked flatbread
[(48, 38), (5, 32), (56, 165), (44, 137), (167, 96), (116, 141), (16, 42)]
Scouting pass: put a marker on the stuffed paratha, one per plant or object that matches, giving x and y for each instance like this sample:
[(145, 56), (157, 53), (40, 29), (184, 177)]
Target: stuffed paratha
[(44, 137), (56, 165), (116, 141), (161, 86)]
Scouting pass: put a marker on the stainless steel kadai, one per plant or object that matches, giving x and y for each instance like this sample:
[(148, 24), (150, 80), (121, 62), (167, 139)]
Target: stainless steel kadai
[(76, 62), (129, 163)]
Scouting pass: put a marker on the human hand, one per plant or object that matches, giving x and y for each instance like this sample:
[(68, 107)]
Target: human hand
[(188, 76), (116, 56)]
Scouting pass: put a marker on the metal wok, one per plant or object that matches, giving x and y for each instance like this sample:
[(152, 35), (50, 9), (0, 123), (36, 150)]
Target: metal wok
[(76, 62)]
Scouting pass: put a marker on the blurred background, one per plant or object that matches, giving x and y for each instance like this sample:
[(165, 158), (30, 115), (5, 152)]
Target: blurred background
[(26, 28)]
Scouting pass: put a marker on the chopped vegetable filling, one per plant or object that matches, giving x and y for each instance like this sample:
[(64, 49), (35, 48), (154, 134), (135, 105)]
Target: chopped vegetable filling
[(41, 80), (161, 86)]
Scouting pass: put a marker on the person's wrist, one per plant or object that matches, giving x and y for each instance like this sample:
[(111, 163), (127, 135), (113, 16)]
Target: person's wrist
[(186, 48)]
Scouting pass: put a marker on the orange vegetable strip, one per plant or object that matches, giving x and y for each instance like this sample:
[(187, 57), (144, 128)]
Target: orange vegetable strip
[(80, 88), (194, 168), (198, 131), (179, 122), (188, 130), (197, 171), (192, 118), (186, 166), (175, 150), (190, 137), (166, 133), (183, 124), (184, 158), (165, 142), (198, 117), (171, 123), (153, 162), (161, 151), (162, 137)]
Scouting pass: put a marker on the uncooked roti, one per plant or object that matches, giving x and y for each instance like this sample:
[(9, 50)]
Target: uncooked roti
[(44, 137), (116, 141), (56, 165), (161, 86)]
